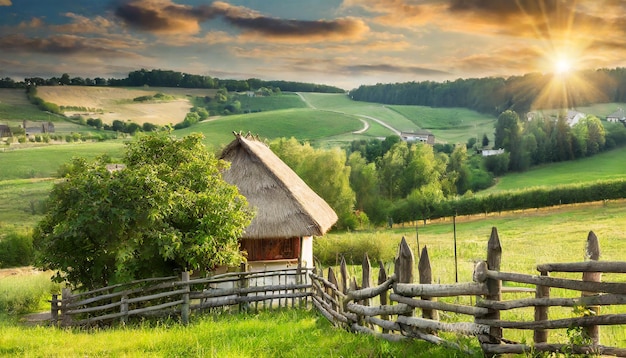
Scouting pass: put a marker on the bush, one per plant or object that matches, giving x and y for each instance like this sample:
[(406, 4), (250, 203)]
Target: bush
[(16, 249)]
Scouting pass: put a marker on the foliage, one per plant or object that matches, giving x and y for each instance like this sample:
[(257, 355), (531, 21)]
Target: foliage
[(16, 249), (168, 209)]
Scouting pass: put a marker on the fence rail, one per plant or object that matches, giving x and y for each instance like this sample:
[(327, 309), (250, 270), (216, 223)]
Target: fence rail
[(174, 296), (411, 310)]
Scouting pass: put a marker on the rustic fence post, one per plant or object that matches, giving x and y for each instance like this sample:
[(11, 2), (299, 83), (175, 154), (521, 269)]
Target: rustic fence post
[(404, 263), (365, 276), (54, 310), (494, 257), (541, 312), (333, 279), (243, 283), (66, 299), (343, 271), (592, 252), (124, 309), (382, 277), (184, 309), (426, 277)]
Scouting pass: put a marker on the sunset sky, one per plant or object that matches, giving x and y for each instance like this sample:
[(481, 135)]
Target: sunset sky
[(344, 43)]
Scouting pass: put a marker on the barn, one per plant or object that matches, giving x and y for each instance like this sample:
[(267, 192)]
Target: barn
[(288, 213)]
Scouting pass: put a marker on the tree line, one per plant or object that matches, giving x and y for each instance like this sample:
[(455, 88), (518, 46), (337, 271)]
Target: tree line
[(168, 78), (494, 95)]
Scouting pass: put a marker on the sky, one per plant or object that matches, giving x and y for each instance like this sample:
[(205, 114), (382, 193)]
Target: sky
[(345, 43)]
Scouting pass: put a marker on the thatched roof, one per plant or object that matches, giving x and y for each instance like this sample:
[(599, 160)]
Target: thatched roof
[(285, 206)]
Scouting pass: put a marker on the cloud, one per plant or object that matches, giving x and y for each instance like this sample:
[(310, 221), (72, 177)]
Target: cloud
[(5, 3), (82, 24), (163, 16), (64, 45), (34, 23), (387, 68)]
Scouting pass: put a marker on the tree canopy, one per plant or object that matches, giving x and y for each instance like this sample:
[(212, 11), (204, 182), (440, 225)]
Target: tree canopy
[(168, 209)]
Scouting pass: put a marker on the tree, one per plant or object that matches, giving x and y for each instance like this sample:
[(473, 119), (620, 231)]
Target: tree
[(169, 209)]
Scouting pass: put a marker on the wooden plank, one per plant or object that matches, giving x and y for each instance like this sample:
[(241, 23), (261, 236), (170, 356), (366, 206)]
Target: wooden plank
[(443, 306), (465, 328), (108, 288), (604, 320), (386, 336), (557, 348), (371, 292), (442, 290), (586, 266), (576, 285), (602, 300), (155, 296), (378, 310)]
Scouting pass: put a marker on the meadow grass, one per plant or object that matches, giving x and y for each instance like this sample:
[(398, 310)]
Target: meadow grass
[(285, 100), (303, 124), (20, 294), (604, 166), (284, 333)]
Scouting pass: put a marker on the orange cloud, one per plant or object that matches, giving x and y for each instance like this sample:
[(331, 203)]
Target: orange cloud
[(82, 24), (5, 3)]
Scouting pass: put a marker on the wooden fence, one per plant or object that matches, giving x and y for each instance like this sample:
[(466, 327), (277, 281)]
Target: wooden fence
[(395, 315), (181, 297)]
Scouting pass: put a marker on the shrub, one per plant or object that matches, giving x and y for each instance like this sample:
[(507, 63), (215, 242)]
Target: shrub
[(16, 249)]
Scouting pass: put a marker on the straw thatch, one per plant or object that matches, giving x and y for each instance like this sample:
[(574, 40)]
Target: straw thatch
[(285, 206)]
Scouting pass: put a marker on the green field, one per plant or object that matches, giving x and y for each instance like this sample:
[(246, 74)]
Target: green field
[(304, 124), (604, 166), (285, 100)]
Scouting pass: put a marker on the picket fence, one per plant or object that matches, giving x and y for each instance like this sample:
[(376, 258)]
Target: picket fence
[(395, 309), (396, 315), (181, 297)]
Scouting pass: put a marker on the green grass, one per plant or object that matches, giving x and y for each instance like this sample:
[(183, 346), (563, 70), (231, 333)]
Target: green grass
[(20, 294), (604, 166), (44, 161), (303, 124), (288, 333), (285, 100)]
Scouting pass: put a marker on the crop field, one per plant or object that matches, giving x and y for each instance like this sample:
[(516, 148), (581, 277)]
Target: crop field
[(15, 107)]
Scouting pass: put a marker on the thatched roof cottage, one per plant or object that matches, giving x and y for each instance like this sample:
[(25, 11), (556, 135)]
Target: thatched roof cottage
[(288, 212)]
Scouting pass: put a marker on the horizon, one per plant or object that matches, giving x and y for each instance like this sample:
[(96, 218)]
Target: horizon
[(342, 43)]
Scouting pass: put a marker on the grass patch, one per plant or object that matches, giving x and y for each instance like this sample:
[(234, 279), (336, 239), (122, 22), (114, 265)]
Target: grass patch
[(603, 166), (270, 103), (303, 124), (20, 294)]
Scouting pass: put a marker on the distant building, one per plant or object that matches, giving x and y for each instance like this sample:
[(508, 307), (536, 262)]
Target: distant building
[(573, 117), (5, 131), (37, 127), (617, 116), (490, 152), (422, 136)]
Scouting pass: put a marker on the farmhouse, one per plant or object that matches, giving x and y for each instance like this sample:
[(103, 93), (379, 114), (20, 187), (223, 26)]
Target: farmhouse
[(617, 116), (288, 213), (573, 117), (422, 136)]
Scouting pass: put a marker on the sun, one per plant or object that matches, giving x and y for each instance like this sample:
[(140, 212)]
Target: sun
[(562, 66)]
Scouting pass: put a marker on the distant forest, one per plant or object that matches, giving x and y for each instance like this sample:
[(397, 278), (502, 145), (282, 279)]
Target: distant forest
[(494, 95), (166, 78)]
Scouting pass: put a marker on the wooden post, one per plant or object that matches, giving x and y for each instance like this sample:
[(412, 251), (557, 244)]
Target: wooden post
[(592, 252), (332, 279), (494, 257), (404, 263), (124, 309), (426, 277), (243, 283), (365, 277), (66, 299), (541, 312), (54, 310), (343, 271), (382, 277), (184, 309)]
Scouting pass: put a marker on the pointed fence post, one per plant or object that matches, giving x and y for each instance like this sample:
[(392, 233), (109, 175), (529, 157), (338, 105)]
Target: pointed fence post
[(343, 271), (54, 310), (332, 279), (494, 257), (426, 277), (541, 312), (365, 276), (382, 277), (592, 253), (404, 263)]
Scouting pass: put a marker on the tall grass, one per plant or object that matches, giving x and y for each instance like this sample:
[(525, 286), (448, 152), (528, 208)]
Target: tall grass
[(21, 294)]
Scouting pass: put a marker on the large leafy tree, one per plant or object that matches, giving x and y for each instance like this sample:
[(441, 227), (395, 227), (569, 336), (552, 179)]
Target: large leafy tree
[(168, 209)]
